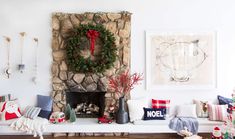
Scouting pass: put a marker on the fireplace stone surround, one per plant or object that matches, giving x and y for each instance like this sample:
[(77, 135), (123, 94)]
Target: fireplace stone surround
[(63, 79)]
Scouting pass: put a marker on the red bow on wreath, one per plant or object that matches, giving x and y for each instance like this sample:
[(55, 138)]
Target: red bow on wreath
[(92, 35)]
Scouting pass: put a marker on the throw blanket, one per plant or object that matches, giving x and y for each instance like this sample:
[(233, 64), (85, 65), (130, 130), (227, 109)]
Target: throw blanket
[(179, 123), (35, 126)]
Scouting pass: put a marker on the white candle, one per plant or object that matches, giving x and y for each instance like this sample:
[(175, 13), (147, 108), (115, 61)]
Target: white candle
[(36, 60)]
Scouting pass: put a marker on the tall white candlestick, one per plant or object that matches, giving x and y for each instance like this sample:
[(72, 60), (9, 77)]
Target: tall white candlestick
[(35, 78)]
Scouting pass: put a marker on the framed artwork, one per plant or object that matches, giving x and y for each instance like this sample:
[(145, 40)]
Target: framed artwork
[(180, 60)]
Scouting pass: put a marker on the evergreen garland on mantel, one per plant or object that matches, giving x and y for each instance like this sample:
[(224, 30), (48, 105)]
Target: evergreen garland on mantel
[(77, 41)]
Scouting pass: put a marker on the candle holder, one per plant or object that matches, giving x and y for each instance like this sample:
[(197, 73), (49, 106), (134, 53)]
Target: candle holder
[(21, 66), (7, 70)]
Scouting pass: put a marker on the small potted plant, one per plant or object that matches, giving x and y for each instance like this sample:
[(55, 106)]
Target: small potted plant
[(122, 84)]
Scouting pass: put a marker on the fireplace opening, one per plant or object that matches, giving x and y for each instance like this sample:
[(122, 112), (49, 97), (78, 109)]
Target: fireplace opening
[(87, 104)]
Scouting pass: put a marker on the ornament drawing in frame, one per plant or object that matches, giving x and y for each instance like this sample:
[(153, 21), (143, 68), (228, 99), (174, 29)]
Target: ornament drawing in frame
[(180, 60)]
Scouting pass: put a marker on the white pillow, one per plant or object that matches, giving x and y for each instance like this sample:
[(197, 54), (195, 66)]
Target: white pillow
[(188, 110), (201, 108), (135, 107)]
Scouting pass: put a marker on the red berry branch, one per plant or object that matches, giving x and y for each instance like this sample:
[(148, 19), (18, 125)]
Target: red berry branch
[(124, 82)]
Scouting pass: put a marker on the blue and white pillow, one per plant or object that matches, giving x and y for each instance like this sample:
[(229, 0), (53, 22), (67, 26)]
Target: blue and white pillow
[(31, 112), (45, 103), (223, 101), (154, 114)]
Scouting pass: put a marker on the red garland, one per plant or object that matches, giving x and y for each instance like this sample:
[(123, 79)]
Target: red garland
[(92, 35)]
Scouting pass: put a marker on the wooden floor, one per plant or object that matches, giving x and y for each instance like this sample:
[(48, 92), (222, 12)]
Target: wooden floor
[(137, 136)]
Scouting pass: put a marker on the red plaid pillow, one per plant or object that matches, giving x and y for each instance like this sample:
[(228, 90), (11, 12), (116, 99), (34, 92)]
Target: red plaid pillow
[(160, 103)]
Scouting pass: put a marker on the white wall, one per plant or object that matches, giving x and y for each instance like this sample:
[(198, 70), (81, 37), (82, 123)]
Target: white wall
[(34, 17)]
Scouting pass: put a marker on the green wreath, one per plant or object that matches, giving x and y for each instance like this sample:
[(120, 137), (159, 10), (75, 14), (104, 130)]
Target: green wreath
[(78, 41)]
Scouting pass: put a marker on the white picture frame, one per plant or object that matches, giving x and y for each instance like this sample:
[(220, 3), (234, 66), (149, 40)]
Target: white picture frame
[(164, 66)]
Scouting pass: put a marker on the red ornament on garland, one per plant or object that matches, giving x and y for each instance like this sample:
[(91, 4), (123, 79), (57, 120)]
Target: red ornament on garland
[(92, 35)]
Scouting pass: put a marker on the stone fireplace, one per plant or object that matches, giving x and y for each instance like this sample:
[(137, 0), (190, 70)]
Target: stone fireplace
[(85, 85)]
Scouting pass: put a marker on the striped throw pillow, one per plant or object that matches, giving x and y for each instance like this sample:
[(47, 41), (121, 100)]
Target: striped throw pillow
[(217, 112), (161, 104), (5, 98), (31, 112)]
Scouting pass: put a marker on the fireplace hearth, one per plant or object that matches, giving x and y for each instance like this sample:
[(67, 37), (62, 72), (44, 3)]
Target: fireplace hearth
[(87, 104)]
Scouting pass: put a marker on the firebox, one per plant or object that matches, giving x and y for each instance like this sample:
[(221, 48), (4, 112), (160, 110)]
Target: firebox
[(87, 104)]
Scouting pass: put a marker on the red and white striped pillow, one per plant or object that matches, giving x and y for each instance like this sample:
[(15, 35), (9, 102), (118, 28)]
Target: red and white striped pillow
[(160, 103), (217, 112)]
